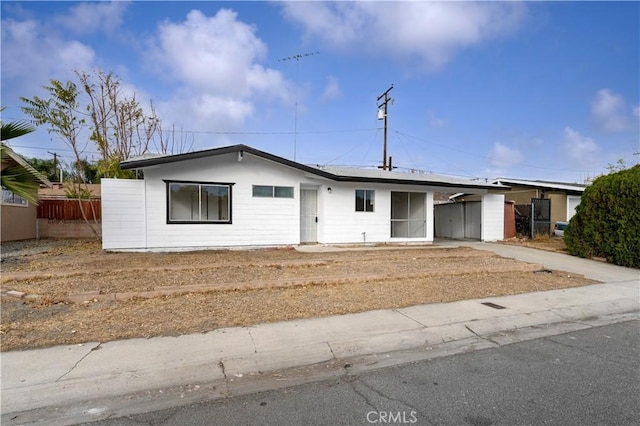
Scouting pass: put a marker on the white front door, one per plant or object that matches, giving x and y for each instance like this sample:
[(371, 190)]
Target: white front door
[(308, 216)]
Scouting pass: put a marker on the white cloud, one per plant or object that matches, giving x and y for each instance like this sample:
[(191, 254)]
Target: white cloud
[(582, 150), (218, 54), (430, 31), (503, 156), (636, 111), (332, 89), (215, 60), (30, 58), (608, 109), (436, 122), (86, 18)]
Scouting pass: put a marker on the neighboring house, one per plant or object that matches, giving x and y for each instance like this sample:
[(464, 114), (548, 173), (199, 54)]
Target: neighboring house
[(61, 191), (18, 217), (564, 197), (238, 196)]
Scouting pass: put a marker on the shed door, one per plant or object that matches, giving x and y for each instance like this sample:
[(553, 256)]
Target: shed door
[(308, 216), (472, 219)]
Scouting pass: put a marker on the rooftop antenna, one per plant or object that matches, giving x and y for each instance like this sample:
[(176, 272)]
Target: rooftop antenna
[(297, 58), (382, 115)]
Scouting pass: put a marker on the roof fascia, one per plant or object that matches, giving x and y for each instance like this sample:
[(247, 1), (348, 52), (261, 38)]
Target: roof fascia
[(564, 187), (148, 162), (22, 162)]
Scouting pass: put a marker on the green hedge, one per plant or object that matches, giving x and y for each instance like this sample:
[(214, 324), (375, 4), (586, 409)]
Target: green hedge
[(607, 221)]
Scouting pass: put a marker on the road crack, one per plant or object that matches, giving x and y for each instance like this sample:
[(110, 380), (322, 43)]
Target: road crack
[(480, 336), (578, 348), (79, 361), (387, 397), (255, 348), (412, 319), (224, 373)]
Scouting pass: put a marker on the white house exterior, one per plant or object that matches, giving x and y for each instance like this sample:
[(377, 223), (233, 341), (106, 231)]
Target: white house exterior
[(238, 196)]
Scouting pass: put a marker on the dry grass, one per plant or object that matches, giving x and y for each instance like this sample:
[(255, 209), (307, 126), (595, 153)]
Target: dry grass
[(540, 242), (369, 279)]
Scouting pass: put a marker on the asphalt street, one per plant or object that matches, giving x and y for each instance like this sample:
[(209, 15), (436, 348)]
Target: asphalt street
[(586, 377)]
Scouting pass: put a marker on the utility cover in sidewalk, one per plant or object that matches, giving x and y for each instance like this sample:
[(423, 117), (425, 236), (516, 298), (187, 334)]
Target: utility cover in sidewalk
[(493, 305)]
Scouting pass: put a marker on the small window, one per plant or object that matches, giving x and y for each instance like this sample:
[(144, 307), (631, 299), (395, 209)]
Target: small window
[(365, 200), (273, 191), (9, 197), (262, 191), (283, 191), (189, 202)]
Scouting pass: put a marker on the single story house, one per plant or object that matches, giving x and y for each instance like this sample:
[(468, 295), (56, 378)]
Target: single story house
[(238, 196), (563, 197), (18, 217)]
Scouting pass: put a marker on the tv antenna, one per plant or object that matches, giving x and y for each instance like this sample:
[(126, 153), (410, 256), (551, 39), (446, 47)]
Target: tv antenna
[(297, 58)]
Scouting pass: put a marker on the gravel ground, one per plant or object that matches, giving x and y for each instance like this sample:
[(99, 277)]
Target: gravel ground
[(327, 283)]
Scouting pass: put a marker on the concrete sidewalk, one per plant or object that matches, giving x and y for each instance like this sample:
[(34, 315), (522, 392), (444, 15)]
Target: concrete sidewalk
[(71, 384)]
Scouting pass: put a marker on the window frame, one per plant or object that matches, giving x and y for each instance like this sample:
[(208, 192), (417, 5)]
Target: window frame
[(409, 220), (200, 184), (25, 202), (368, 195), (274, 191)]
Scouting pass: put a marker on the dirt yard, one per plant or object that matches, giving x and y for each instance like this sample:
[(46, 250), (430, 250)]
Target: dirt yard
[(75, 293)]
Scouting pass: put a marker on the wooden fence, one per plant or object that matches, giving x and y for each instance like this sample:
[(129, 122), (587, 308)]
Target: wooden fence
[(69, 209)]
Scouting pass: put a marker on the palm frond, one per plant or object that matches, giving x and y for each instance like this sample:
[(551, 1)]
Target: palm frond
[(18, 179), (16, 129)]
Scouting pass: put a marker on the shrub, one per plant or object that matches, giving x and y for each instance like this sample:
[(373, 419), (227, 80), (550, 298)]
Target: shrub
[(607, 221)]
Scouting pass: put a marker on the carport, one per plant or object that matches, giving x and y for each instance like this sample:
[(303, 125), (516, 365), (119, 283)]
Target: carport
[(463, 220)]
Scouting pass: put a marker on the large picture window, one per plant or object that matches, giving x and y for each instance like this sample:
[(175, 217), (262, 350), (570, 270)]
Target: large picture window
[(408, 215), (365, 200), (193, 202)]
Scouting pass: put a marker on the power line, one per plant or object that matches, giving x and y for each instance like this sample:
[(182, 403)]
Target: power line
[(216, 132), (297, 58), (488, 158)]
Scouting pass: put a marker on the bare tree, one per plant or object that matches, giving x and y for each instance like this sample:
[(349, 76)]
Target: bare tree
[(120, 127), (173, 141)]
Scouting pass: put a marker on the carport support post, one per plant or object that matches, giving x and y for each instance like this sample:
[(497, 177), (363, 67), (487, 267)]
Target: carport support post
[(532, 220)]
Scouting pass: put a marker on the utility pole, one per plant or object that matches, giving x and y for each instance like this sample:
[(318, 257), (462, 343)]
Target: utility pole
[(297, 57), (55, 163), (383, 107)]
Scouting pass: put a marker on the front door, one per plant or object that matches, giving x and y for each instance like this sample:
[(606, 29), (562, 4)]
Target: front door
[(308, 216)]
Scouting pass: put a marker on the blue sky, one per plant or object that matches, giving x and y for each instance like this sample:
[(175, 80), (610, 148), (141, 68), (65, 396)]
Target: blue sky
[(531, 90)]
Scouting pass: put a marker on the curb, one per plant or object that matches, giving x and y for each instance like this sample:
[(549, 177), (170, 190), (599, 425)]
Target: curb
[(231, 384)]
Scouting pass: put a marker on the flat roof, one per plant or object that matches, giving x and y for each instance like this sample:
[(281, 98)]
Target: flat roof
[(542, 184)]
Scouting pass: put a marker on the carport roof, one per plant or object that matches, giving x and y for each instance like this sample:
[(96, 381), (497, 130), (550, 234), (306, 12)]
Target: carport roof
[(338, 174), (575, 187)]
